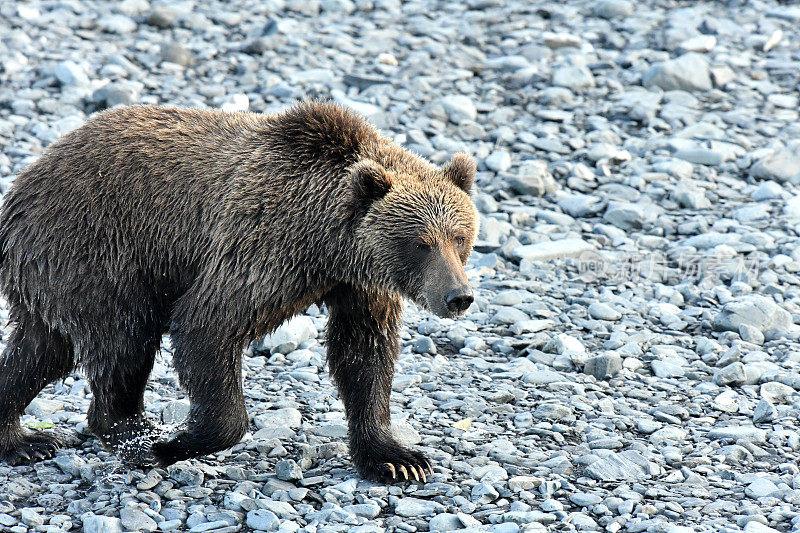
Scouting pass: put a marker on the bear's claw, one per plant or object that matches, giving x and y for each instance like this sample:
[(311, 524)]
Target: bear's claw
[(417, 471), (30, 448), (398, 464)]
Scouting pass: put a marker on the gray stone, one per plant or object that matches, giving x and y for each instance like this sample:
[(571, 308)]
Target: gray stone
[(776, 392), (70, 74), (552, 411), (782, 166), (117, 93), (117, 24), (738, 432), (499, 161), (577, 78), (262, 520), (42, 407), (768, 190), (761, 488), (701, 156), (629, 216), (584, 499), (445, 522), (424, 345), (405, 433), (731, 375), (412, 507), (176, 53), (288, 470), (751, 334), (162, 16), (627, 465), (483, 493), (101, 524), (176, 411), (692, 198), (667, 369), (689, 72), (604, 366), (602, 311), (533, 178), (764, 412), (756, 310), (133, 519), (509, 315), (612, 9), (287, 417), (459, 108), (30, 517)]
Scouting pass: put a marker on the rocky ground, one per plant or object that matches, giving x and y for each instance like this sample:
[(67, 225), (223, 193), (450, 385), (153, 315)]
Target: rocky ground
[(631, 362)]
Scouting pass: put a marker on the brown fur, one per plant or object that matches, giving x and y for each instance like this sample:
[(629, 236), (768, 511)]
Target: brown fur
[(217, 227)]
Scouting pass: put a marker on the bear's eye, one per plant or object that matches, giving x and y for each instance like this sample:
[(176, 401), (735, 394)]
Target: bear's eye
[(422, 246), (459, 241)]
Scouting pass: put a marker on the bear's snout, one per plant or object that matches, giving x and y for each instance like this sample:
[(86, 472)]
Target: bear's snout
[(459, 300)]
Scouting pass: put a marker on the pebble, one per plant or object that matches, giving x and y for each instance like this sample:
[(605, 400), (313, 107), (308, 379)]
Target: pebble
[(533, 179), (459, 108), (688, 72), (71, 74), (411, 507), (601, 311), (782, 166), (604, 366)]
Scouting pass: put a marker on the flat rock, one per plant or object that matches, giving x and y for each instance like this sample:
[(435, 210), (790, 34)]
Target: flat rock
[(411, 507), (627, 465), (548, 250), (738, 432)]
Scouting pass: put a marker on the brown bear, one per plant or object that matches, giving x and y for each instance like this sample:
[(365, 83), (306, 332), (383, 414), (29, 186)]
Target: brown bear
[(217, 227)]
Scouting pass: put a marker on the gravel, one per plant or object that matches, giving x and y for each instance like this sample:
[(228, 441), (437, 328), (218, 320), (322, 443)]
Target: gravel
[(631, 360)]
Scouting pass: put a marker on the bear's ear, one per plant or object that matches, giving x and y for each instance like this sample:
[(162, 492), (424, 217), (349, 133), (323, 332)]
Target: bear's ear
[(461, 171), (370, 182)]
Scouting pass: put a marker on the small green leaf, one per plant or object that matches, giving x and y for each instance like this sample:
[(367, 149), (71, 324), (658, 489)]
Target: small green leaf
[(41, 424)]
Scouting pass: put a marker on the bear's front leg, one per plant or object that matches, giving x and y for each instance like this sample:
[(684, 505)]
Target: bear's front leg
[(362, 343)]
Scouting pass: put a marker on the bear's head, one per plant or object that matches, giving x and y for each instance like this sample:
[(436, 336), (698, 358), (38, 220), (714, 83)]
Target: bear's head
[(417, 225)]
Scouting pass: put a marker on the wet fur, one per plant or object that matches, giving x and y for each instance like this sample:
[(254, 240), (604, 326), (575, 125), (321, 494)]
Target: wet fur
[(214, 227)]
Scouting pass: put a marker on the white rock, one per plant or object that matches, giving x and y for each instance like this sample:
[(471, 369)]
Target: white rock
[(236, 102), (499, 161), (459, 108), (290, 335), (602, 311), (71, 74), (548, 250), (761, 488), (410, 507), (738, 432), (701, 43)]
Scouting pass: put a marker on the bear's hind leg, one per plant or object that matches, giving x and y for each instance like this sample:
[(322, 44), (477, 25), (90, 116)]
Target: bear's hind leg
[(34, 356), (362, 348), (118, 371), (209, 368)]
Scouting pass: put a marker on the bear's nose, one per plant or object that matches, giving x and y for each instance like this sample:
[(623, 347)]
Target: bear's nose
[(459, 300)]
